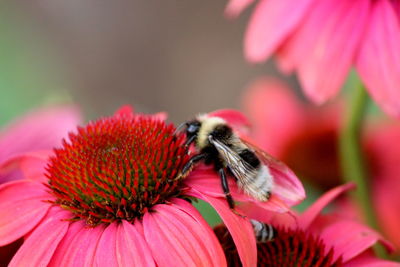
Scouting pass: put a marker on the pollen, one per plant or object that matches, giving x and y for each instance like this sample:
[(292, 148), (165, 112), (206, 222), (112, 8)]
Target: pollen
[(289, 248), (117, 168)]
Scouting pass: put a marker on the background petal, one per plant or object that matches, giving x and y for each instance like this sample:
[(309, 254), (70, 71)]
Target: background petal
[(379, 57), (271, 22), (332, 33), (262, 101), (315, 209), (22, 207), (235, 7), (40, 130), (350, 239), (39, 247), (30, 165), (368, 259)]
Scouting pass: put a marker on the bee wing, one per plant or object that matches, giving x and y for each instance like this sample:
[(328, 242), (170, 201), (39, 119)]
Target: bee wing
[(240, 168), (286, 184)]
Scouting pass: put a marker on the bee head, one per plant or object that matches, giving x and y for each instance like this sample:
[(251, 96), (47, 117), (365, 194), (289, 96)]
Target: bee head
[(192, 129)]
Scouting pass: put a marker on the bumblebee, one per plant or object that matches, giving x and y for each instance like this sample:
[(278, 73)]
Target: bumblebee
[(217, 144)]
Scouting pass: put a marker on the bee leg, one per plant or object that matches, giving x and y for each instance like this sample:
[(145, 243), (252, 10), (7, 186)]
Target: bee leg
[(188, 166), (227, 192)]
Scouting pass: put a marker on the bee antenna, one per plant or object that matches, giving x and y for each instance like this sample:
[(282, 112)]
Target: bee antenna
[(180, 127)]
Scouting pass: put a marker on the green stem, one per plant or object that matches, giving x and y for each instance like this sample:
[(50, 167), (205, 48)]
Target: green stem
[(351, 154)]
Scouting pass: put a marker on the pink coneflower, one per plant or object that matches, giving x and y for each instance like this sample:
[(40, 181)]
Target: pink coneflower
[(109, 198), (323, 40), (310, 135), (311, 239), (39, 130)]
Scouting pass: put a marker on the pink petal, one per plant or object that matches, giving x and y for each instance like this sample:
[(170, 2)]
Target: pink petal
[(235, 7), (331, 36), (106, 247), (240, 229), (132, 249), (349, 239), (30, 165), (40, 130), (39, 247), (379, 57), (367, 259), (22, 207), (206, 181), (78, 246), (214, 249), (271, 23), (126, 110), (287, 187), (262, 101), (176, 238), (312, 212)]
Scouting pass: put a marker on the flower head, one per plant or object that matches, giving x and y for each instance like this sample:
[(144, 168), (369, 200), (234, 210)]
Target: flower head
[(323, 40), (112, 195), (311, 239)]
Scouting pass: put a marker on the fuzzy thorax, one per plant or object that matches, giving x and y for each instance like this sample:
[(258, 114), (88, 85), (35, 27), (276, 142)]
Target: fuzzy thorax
[(208, 124)]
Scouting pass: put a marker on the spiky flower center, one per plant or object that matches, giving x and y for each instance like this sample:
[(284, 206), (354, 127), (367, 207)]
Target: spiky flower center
[(117, 168), (289, 248)]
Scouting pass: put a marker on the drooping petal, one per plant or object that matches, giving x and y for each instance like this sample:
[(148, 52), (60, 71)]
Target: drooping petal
[(334, 44), (235, 7), (350, 239), (22, 207), (177, 239), (39, 130), (272, 22), (379, 57), (367, 259), (39, 247), (262, 101), (78, 246), (132, 249), (30, 165), (312, 212), (240, 229)]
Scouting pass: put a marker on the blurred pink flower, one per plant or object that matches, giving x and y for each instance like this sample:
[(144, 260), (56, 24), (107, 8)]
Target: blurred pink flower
[(107, 199), (302, 135), (323, 40), (312, 239), (39, 130)]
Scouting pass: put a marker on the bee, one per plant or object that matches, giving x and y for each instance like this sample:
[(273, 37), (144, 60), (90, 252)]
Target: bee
[(263, 232), (217, 144)]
